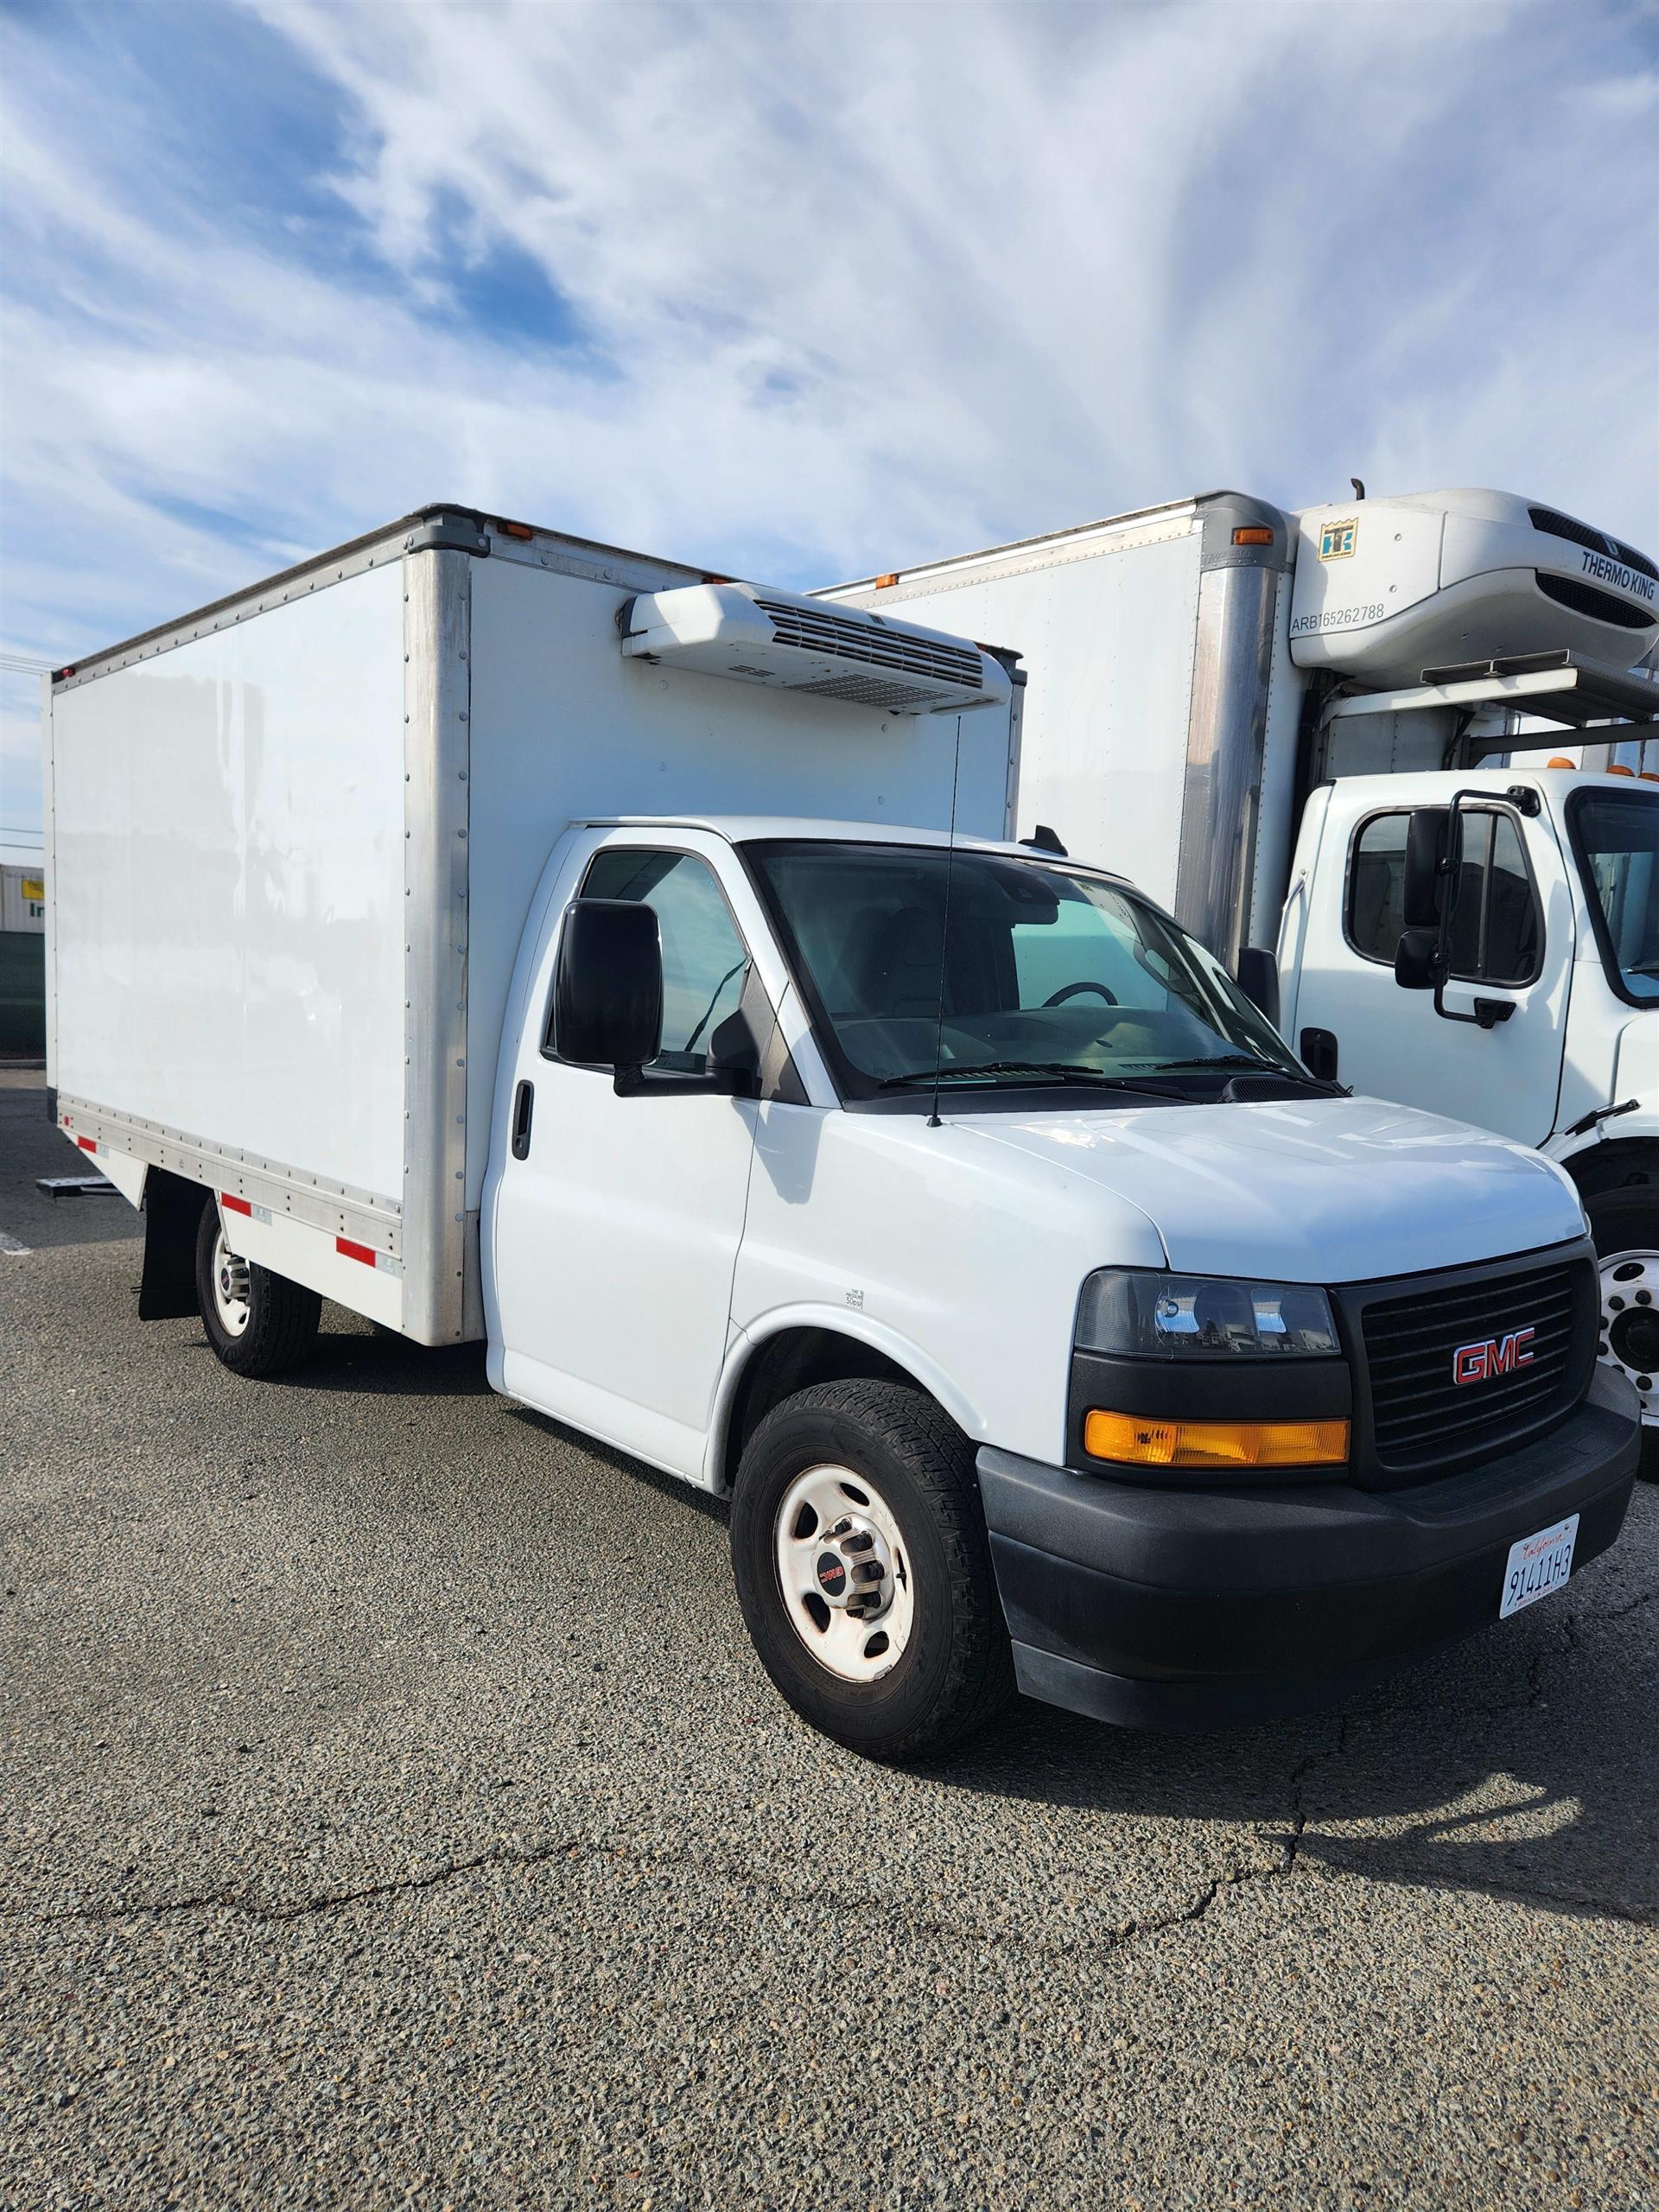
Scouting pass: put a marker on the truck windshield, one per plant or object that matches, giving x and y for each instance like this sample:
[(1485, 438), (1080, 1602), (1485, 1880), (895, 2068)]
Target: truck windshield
[(1053, 976), (1616, 835)]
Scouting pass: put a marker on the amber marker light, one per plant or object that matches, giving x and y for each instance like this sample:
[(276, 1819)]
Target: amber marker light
[(1134, 1440), (1253, 534)]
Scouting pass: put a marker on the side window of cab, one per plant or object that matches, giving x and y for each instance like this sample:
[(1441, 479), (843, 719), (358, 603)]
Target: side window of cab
[(1497, 928), (704, 958)]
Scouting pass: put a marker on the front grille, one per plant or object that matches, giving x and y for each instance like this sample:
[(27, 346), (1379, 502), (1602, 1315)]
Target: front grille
[(816, 630), (1599, 606), (1559, 525), (1420, 1418)]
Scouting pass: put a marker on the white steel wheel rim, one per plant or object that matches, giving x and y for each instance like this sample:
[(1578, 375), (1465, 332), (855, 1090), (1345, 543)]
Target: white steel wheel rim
[(231, 1288), (857, 1626), (1629, 1322)]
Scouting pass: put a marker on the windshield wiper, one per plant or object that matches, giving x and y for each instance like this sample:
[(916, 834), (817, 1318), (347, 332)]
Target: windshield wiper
[(1066, 1071), (1223, 1060), (1260, 1067)]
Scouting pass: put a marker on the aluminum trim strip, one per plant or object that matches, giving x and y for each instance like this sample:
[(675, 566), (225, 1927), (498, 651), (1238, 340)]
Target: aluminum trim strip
[(438, 763), (289, 1193)]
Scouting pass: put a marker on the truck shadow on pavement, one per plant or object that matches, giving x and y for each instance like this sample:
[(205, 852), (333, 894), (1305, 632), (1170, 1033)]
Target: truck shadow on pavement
[(355, 1356), (1522, 1765)]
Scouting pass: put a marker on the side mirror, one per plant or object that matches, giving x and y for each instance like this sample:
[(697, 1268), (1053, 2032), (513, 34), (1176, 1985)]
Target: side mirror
[(608, 999), (1258, 978), (1415, 958), (1422, 889)]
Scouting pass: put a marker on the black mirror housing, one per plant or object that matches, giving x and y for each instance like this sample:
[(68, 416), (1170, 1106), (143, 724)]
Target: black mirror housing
[(608, 1002), (1422, 889), (1415, 959), (1258, 978)]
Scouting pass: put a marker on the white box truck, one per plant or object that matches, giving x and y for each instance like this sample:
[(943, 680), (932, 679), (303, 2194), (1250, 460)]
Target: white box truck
[(1290, 729), (507, 935)]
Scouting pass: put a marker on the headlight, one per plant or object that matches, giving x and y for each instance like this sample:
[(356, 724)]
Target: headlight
[(1137, 1314)]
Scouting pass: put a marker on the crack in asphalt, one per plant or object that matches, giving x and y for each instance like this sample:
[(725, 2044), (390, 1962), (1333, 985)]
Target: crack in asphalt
[(1358, 1864), (741, 1876), (1132, 1929)]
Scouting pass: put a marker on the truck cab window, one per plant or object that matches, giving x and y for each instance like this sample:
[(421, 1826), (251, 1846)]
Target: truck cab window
[(1497, 932), (1376, 886), (704, 959), (1616, 835)]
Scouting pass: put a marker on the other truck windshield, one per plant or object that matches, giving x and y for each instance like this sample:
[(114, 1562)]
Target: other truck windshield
[(1053, 976), (1618, 836)]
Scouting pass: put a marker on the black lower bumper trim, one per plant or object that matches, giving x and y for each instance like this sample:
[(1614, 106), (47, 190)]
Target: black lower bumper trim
[(1164, 1605)]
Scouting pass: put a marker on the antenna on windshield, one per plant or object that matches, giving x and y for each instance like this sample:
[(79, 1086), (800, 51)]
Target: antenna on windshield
[(945, 927)]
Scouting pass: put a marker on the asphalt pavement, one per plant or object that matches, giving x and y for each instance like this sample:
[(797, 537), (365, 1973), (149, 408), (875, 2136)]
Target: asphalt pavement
[(392, 1812)]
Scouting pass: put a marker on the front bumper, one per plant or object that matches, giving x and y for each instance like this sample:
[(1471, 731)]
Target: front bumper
[(1172, 1606)]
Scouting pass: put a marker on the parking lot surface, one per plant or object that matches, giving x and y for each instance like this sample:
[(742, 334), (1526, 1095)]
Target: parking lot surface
[(392, 1811)]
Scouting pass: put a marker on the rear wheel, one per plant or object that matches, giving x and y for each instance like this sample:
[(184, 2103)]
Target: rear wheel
[(1625, 1225), (864, 1570), (257, 1323)]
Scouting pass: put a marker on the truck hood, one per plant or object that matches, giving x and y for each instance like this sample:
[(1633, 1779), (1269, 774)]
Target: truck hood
[(1322, 1190)]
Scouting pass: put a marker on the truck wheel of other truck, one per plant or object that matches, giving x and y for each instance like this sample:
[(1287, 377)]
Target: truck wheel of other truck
[(1625, 1225), (256, 1322), (864, 1570)]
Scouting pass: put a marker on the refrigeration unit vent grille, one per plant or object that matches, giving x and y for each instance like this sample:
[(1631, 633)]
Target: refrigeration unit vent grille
[(1599, 606), (834, 636), (870, 691), (1580, 533), (1555, 526)]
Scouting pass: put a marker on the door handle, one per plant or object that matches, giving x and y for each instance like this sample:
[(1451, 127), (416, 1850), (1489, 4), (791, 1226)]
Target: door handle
[(524, 1106)]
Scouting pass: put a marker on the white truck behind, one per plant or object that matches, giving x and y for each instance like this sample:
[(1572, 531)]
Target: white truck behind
[(1250, 711), (508, 937)]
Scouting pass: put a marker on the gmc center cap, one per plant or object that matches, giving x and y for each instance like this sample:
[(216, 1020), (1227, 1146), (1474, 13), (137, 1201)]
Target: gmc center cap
[(831, 1571)]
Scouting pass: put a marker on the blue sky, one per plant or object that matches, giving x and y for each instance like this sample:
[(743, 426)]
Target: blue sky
[(796, 292)]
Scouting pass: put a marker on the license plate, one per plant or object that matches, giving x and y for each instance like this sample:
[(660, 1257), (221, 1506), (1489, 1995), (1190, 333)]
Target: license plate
[(1538, 1566)]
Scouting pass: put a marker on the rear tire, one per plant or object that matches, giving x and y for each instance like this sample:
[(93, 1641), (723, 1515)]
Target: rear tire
[(837, 1482), (259, 1324), (1625, 1222)]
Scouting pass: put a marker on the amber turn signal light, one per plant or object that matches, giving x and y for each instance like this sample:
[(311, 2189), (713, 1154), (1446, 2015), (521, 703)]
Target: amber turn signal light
[(1134, 1440)]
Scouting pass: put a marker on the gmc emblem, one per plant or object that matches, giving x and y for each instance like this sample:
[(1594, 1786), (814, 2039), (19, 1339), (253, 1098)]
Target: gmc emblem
[(1492, 1356)]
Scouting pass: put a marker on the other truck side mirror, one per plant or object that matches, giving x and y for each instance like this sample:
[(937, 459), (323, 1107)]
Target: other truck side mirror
[(608, 996), (1415, 959), (1258, 978), (1422, 889)]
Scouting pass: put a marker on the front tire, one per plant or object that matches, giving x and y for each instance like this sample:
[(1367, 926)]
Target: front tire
[(864, 1570), (1625, 1225), (257, 1323)]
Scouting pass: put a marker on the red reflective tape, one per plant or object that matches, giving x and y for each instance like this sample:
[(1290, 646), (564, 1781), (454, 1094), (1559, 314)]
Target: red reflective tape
[(233, 1205), (364, 1252), (86, 1144)]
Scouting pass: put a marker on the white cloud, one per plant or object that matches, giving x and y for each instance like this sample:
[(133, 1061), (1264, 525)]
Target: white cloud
[(836, 287)]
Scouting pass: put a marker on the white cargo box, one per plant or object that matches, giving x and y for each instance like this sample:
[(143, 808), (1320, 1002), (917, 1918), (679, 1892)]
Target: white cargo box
[(292, 838)]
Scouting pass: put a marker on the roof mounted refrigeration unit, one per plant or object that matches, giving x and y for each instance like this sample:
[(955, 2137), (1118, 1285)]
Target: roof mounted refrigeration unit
[(754, 636), (1389, 588)]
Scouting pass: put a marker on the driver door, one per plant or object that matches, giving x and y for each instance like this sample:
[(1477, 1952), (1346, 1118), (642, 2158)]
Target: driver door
[(618, 1220), (1512, 944)]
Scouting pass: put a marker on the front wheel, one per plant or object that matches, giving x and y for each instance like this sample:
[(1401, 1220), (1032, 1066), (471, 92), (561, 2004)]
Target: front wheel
[(1625, 1225), (257, 1323), (864, 1570)]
